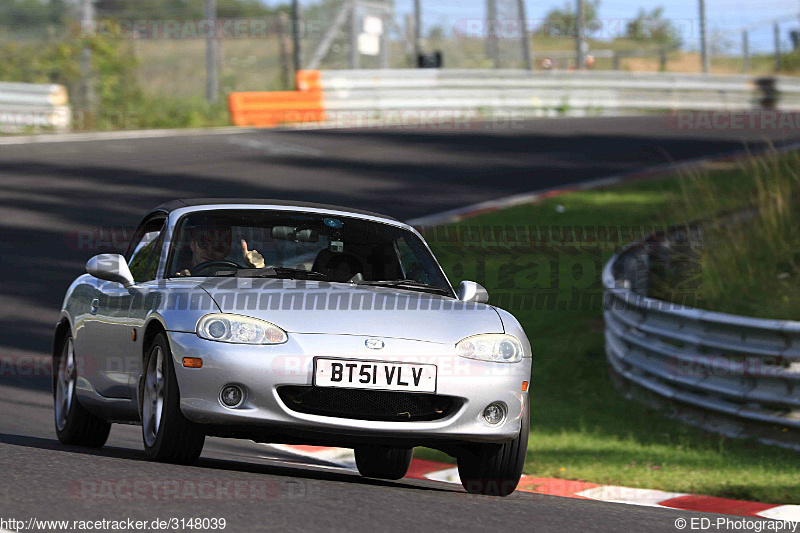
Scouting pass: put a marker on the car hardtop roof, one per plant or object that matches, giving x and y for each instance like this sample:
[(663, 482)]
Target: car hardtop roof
[(222, 202)]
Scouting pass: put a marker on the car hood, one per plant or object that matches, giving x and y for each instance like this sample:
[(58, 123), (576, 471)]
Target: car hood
[(344, 309)]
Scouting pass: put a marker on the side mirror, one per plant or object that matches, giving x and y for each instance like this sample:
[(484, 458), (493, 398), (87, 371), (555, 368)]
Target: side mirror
[(110, 267), (470, 291)]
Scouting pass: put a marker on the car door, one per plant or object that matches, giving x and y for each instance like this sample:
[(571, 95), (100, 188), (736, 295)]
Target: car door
[(143, 260), (108, 334), (104, 339)]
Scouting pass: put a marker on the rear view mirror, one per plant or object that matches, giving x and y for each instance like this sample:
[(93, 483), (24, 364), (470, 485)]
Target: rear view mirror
[(288, 233), (110, 267)]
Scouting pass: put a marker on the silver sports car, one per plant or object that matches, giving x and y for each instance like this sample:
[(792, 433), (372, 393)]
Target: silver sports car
[(292, 323)]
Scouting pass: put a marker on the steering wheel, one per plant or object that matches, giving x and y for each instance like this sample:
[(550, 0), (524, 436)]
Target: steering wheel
[(217, 263)]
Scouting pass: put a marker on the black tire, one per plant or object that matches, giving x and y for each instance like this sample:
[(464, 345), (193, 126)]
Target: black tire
[(495, 469), (174, 439), (74, 424), (383, 462)]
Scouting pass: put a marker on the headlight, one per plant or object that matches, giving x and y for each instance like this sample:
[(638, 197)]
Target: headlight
[(496, 348), (239, 329)]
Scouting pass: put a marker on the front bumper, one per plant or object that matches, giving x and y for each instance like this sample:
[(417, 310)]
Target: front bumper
[(261, 370)]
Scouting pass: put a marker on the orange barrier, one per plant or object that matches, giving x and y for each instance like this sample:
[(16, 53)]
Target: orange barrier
[(272, 108), (309, 80)]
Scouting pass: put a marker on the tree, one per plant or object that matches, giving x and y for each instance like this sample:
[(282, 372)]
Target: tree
[(653, 27), (56, 11), (180, 9), (563, 22), (436, 34), (27, 14), (720, 44), (150, 9)]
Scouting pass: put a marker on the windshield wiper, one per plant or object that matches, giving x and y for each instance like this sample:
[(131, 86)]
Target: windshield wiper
[(273, 272), (406, 283)]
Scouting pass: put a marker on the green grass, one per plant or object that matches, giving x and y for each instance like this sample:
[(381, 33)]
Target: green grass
[(752, 268), (157, 112), (582, 428)]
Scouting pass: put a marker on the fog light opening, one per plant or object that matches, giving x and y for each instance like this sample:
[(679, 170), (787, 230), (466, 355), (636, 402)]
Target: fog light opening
[(494, 413), (231, 396)]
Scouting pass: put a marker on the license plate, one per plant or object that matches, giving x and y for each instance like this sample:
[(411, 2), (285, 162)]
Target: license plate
[(378, 375)]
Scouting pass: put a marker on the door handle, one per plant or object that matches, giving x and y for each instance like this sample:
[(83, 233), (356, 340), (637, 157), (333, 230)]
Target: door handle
[(94, 306)]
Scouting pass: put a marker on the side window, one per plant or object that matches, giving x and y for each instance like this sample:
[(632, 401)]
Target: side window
[(416, 261), (409, 262), (144, 259)]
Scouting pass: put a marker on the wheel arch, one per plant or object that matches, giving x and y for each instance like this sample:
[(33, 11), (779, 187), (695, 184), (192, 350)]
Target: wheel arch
[(152, 327), (63, 329)]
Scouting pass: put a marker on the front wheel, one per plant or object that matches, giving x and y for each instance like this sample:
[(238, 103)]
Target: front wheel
[(495, 469), (383, 462), (168, 436), (74, 424)]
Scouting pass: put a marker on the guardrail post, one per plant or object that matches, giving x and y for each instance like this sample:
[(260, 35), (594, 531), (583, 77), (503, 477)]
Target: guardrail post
[(383, 52), (637, 272), (704, 39), (355, 22), (492, 50), (283, 50), (769, 93), (87, 98), (211, 51), (745, 51), (417, 31), (523, 34), (296, 46), (580, 43)]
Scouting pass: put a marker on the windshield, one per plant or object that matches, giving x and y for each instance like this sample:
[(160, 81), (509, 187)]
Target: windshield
[(299, 245)]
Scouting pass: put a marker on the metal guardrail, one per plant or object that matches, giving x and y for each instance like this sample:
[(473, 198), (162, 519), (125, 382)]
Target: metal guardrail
[(30, 106), (545, 92), (730, 374), (438, 97)]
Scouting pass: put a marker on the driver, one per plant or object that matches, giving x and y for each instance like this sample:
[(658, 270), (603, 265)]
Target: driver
[(210, 244)]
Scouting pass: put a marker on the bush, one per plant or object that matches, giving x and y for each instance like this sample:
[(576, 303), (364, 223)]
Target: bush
[(122, 104), (751, 266)]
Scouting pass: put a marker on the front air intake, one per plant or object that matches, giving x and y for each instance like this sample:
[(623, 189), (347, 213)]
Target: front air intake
[(386, 406)]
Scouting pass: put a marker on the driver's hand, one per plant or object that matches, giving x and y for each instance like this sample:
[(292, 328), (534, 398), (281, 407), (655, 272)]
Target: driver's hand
[(252, 258), (183, 273)]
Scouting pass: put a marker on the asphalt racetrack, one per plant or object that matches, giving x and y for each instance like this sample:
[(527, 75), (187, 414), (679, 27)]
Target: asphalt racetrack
[(49, 192)]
